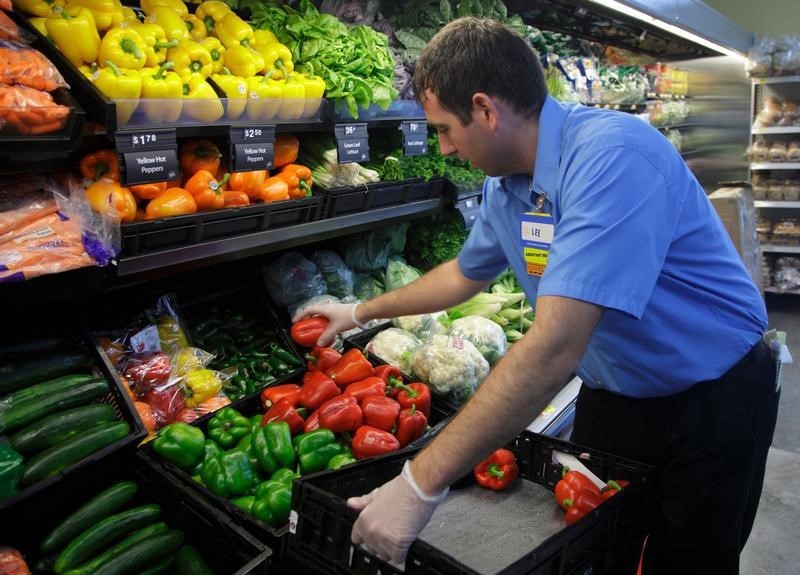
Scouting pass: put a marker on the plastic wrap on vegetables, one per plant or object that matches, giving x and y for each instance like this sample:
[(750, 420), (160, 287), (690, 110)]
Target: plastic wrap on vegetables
[(337, 275), (486, 335), (293, 278), (451, 366), (395, 347), (399, 273), (423, 325)]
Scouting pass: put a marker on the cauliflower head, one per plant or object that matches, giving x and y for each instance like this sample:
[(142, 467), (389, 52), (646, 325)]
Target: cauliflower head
[(394, 346), (486, 335), (451, 366), (424, 325)]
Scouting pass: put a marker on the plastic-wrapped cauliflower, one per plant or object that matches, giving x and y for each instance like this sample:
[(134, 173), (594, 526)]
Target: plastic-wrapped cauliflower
[(451, 366), (395, 347), (424, 325), (486, 335)]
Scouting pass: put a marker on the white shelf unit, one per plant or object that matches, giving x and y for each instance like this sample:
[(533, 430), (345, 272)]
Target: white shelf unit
[(764, 174)]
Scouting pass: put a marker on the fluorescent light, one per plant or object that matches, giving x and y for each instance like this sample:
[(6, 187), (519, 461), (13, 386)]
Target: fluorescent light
[(678, 31)]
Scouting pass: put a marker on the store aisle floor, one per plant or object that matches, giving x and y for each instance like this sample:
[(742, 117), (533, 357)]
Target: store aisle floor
[(772, 547)]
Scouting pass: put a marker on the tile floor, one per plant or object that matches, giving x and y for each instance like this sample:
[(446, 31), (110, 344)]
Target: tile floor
[(773, 545)]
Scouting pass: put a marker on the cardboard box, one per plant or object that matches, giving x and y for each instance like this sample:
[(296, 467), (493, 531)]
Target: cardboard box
[(735, 208)]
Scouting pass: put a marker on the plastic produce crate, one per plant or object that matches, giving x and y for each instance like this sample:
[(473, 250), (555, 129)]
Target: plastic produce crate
[(72, 331), (140, 238), (321, 522), (343, 201), (224, 545)]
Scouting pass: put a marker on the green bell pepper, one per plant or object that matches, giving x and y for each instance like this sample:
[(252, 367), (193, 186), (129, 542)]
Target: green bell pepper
[(279, 441), (245, 445), (273, 502), (181, 443), (227, 427), (284, 475), (340, 460), (259, 448), (210, 449), (11, 468), (313, 440), (229, 473), (245, 502), (316, 448)]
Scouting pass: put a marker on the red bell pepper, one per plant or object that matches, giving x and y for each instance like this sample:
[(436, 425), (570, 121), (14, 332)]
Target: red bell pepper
[(579, 481), (370, 441), (391, 375), (352, 366), (147, 370), (283, 410), (380, 411), (498, 470), (312, 422), (366, 387), (570, 484), (418, 394), (166, 401), (411, 425), (612, 488), (306, 332), (321, 358), (317, 389), (340, 414), (585, 500), (271, 395)]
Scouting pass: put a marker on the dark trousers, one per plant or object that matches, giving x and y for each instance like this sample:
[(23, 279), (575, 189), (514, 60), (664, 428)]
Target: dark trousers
[(709, 447)]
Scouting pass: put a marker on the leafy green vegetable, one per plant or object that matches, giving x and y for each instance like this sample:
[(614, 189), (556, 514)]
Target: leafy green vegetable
[(430, 243)]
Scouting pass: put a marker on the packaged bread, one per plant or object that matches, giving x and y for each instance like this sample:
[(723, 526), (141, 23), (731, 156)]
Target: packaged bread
[(793, 152), (777, 152), (775, 191), (791, 191), (771, 113), (759, 151)]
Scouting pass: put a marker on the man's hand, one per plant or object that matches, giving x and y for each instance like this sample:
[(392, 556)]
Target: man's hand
[(392, 516), (341, 317)]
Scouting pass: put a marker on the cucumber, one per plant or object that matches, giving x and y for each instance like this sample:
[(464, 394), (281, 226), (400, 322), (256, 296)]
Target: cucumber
[(55, 428), (188, 561), (72, 450), (105, 532), (18, 416), (39, 345), (22, 372), (129, 542), (47, 387), (98, 507), (149, 552), (160, 567)]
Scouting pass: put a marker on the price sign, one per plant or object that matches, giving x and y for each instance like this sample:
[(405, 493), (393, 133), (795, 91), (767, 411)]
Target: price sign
[(415, 137), (147, 156), (252, 148), (469, 208), (352, 143)]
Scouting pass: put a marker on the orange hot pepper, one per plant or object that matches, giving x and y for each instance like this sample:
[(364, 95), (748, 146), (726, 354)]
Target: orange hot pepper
[(148, 191), (107, 197), (173, 202), (234, 198), (200, 154), (274, 189), (100, 164), (299, 179), (207, 191), (248, 182), (286, 149)]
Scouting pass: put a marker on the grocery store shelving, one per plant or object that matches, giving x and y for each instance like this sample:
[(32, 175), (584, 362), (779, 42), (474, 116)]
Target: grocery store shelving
[(779, 249), (776, 80), (761, 130), (755, 166), (776, 204)]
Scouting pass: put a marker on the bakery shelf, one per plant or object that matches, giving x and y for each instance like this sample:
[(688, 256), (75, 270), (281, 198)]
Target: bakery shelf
[(776, 204), (775, 166), (780, 249)]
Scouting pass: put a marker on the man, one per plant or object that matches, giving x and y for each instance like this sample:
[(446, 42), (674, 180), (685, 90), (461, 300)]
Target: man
[(638, 290)]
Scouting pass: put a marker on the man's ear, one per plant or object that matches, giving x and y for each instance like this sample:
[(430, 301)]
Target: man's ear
[(484, 109)]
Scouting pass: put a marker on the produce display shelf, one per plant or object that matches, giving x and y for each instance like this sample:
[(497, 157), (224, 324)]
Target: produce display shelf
[(344, 201), (321, 522), (248, 244)]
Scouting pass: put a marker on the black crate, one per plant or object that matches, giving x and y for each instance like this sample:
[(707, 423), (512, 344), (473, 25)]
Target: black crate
[(140, 238), (343, 201), (73, 330), (321, 522), (224, 545)]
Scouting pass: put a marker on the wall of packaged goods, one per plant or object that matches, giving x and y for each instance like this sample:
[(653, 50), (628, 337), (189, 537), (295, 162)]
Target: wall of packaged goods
[(178, 180)]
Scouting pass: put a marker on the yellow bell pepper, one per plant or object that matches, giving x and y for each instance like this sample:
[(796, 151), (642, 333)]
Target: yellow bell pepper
[(217, 51), (175, 5), (124, 47), (46, 8), (89, 70), (199, 386), (156, 43), (265, 37), (122, 86), (200, 101), (233, 31), (129, 15), (174, 27), (243, 61), (191, 58), (293, 95), (196, 27), (74, 32), (277, 59), (235, 90), (107, 13), (315, 89), (211, 12), (38, 22), (162, 94), (263, 98)]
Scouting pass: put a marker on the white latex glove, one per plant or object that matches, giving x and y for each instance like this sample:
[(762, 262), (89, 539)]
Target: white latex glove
[(341, 317), (392, 516)]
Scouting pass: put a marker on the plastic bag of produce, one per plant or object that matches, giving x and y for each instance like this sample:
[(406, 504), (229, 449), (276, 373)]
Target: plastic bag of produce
[(395, 346), (451, 366), (293, 278), (486, 335), (398, 274), (367, 286), (337, 275), (295, 308), (423, 325)]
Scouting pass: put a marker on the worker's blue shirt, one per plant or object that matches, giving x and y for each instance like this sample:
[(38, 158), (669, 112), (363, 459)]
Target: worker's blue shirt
[(634, 233)]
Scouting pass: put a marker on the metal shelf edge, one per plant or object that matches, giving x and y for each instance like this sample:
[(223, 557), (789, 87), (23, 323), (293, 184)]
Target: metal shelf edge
[(774, 248), (776, 204)]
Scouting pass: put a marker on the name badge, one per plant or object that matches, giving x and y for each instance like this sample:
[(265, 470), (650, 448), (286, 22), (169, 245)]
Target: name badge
[(536, 235)]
